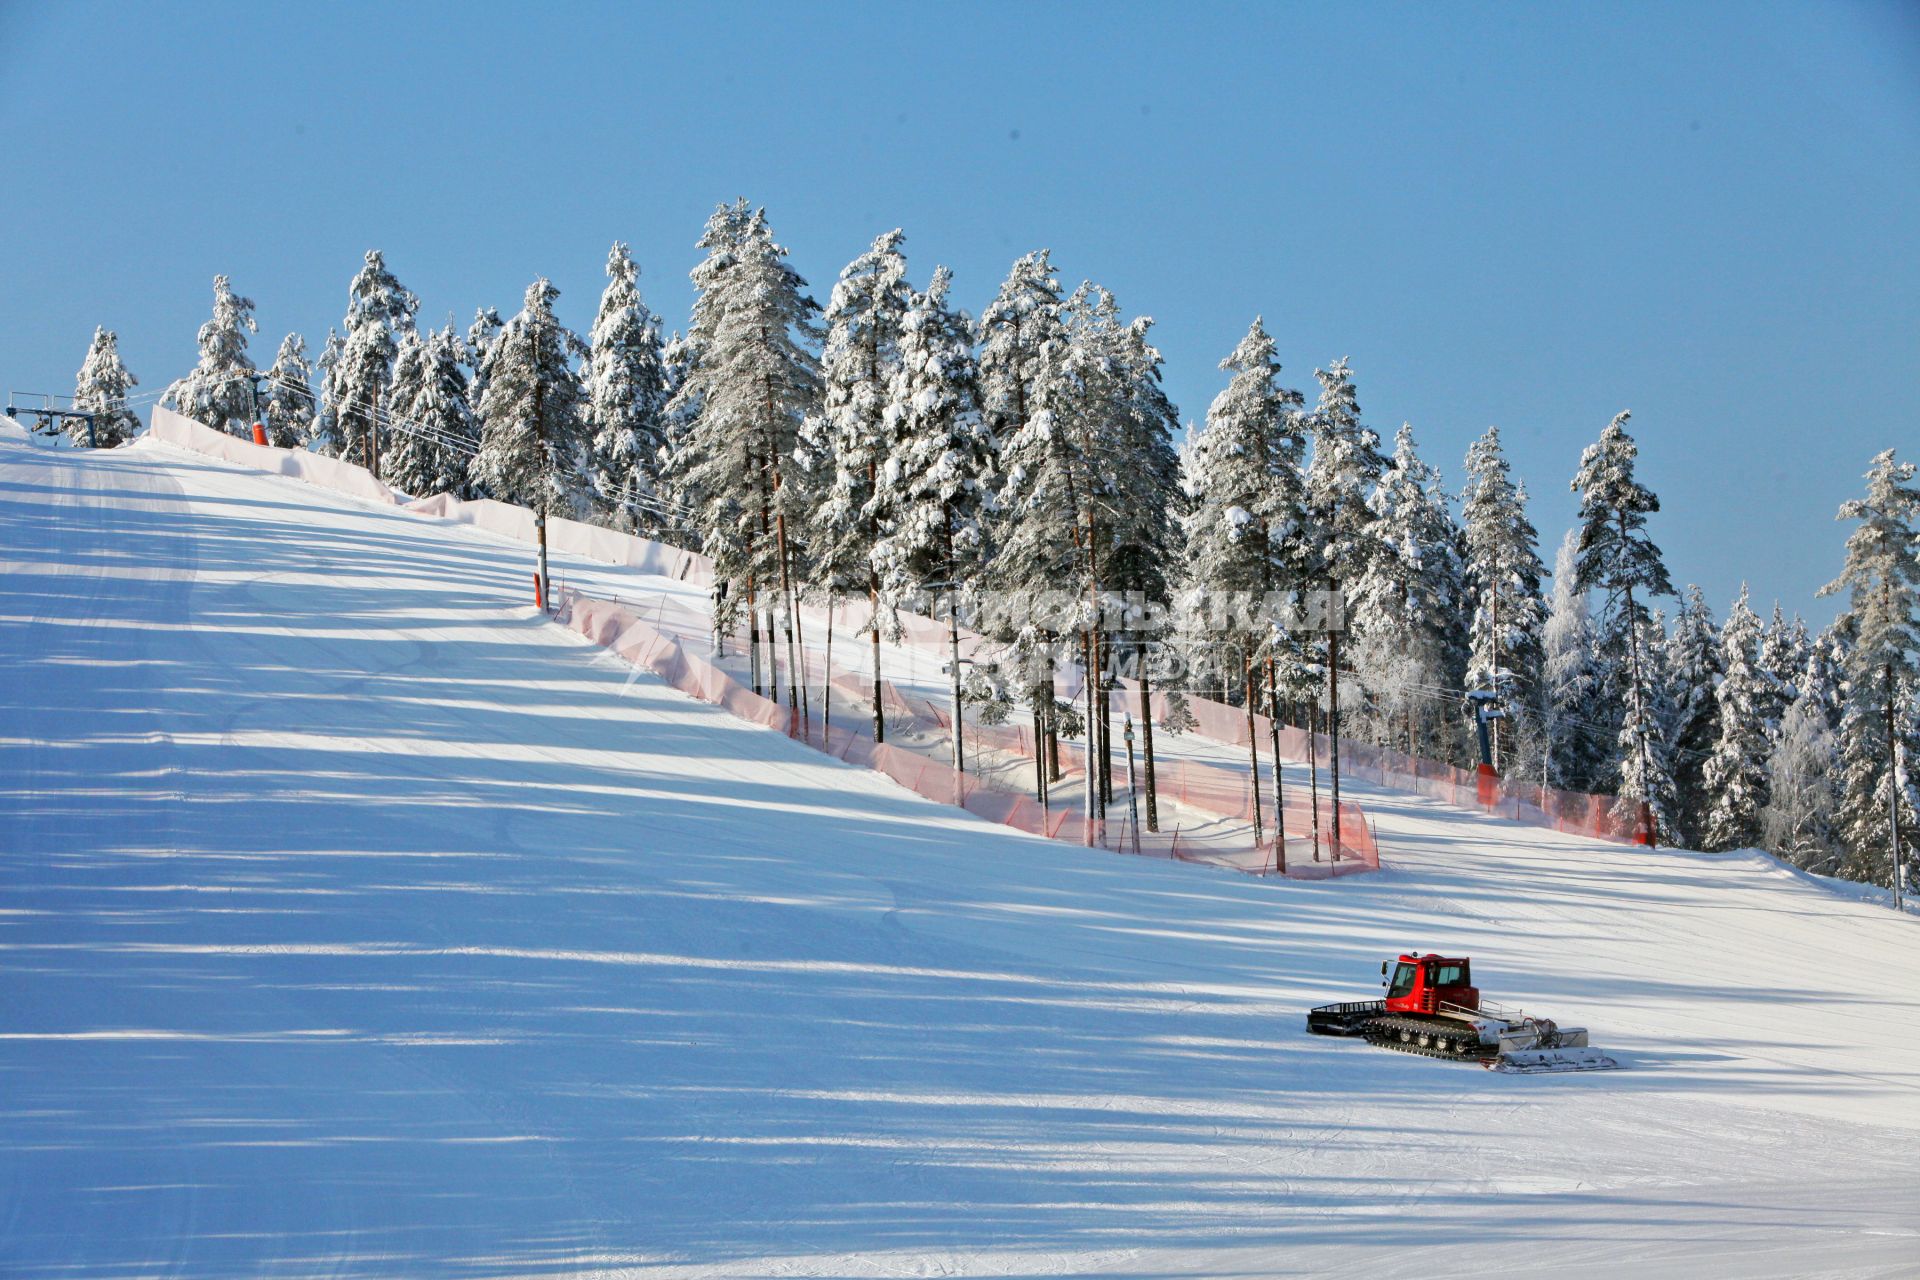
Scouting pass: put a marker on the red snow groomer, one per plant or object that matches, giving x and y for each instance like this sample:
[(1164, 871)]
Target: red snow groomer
[(1433, 1008)]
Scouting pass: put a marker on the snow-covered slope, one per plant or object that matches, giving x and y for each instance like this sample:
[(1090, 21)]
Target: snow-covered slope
[(357, 921)]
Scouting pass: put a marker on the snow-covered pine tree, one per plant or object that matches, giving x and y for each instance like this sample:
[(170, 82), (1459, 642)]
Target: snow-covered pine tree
[(754, 376), (626, 401), (1644, 746), (219, 391), (1247, 521), (1694, 664), (1573, 677), (1735, 776), (379, 311), (1798, 821), (323, 433), (938, 470), (1407, 607), (1618, 558), (940, 456), (433, 431), (1504, 576), (1881, 579), (847, 443), (287, 403), (1138, 502), (1022, 363), (101, 388), (533, 428), (1346, 466)]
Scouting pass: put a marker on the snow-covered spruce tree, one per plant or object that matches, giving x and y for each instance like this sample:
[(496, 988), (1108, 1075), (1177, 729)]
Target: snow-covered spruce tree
[(847, 443), (434, 432), (1694, 664), (1823, 677), (754, 377), (379, 311), (1798, 821), (1503, 574), (219, 391), (1022, 363), (1881, 579), (533, 428), (1408, 606), (671, 461), (1644, 746), (1784, 649), (287, 402), (1574, 679), (1617, 558), (101, 390), (938, 468), (481, 335), (323, 433), (1735, 775), (626, 401)]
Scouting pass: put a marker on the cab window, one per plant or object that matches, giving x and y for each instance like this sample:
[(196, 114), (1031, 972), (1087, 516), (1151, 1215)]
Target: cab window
[(1449, 975), (1402, 980)]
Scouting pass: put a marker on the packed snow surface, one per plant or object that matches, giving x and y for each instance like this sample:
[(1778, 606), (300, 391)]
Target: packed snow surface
[(357, 921)]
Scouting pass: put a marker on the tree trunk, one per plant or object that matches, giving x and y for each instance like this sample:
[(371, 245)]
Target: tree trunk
[(1253, 752), (1039, 755), (1279, 794), (1313, 775), (1089, 661), (879, 711), (953, 660), (1333, 732), (1893, 779), (753, 633), (1146, 739), (826, 683)]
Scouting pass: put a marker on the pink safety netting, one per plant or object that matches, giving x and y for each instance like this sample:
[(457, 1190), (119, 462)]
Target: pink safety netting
[(1207, 787), (657, 638)]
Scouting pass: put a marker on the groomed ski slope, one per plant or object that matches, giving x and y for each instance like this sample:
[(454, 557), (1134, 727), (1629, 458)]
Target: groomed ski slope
[(358, 922)]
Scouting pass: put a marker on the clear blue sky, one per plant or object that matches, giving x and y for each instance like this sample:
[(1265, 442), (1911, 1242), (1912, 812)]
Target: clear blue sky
[(1530, 215)]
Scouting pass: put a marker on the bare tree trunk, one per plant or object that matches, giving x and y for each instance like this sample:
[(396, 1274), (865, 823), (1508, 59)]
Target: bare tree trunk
[(753, 634), (1089, 665), (1146, 739), (1313, 775), (1333, 731), (879, 711), (1279, 795), (1253, 751)]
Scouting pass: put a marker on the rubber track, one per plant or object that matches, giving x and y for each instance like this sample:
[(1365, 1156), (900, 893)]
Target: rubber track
[(1384, 1033)]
